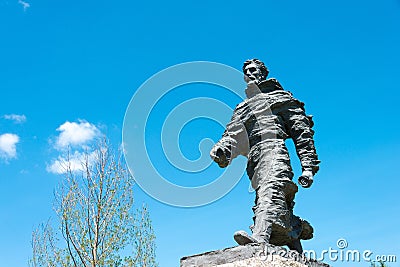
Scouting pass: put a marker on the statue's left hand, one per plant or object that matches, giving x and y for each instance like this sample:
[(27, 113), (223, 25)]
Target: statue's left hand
[(306, 179)]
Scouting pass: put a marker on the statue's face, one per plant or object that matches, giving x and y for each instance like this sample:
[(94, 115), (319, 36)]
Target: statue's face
[(252, 72)]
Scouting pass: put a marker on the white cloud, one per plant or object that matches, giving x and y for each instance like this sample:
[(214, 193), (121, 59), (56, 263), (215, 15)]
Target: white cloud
[(8, 143), (23, 171), (24, 4), (76, 134), (74, 137), (75, 162), (16, 118)]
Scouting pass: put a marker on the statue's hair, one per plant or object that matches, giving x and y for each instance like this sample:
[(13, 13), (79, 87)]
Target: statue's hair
[(263, 68)]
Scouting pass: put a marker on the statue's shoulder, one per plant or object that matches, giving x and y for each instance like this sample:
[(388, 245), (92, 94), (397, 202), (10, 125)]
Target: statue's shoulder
[(275, 82), (294, 101), (285, 98), (279, 91)]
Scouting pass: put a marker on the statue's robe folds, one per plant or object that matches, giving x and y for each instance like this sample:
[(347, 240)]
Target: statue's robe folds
[(258, 130)]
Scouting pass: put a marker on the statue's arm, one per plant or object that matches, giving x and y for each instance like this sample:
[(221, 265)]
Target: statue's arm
[(299, 127), (234, 141)]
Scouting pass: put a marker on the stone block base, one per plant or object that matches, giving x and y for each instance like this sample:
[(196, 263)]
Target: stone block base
[(251, 255)]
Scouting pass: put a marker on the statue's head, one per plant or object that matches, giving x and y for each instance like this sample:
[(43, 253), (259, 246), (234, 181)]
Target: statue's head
[(254, 70)]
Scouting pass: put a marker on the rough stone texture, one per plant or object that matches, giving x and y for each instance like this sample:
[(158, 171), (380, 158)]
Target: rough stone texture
[(250, 255), (258, 130), (276, 261)]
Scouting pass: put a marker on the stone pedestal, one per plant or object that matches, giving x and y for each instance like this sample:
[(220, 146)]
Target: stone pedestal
[(251, 255)]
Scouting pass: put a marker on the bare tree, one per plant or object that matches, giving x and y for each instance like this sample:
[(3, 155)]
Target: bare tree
[(98, 225)]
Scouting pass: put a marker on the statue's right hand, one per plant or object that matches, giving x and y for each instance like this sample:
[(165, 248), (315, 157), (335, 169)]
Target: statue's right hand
[(218, 155)]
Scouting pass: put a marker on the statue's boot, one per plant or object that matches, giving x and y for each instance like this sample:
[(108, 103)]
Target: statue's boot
[(296, 245), (301, 230), (306, 230), (243, 238), (261, 233)]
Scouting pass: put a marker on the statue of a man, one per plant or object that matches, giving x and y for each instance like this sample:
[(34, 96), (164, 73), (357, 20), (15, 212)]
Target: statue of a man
[(258, 130)]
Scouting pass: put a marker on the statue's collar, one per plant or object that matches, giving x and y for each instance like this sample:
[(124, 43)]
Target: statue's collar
[(266, 86), (269, 85)]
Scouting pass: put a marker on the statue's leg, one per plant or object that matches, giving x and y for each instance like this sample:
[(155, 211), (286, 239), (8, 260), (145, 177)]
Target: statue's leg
[(273, 212), (294, 235), (264, 215), (271, 176), (300, 229)]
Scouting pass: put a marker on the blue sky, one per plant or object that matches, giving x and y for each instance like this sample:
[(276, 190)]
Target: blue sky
[(70, 68)]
